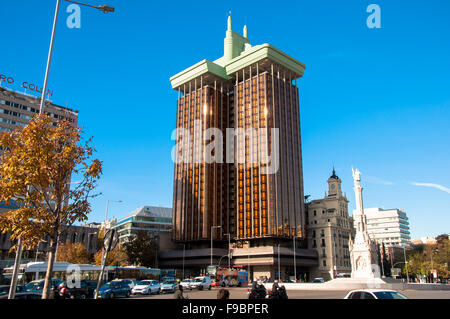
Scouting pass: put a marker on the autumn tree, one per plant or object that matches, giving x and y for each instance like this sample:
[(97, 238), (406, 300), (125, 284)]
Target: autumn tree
[(73, 253), (116, 257), (142, 250), (36, 166)]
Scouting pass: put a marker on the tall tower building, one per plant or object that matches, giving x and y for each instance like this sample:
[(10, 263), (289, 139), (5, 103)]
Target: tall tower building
[(249, 87), (253, 189)]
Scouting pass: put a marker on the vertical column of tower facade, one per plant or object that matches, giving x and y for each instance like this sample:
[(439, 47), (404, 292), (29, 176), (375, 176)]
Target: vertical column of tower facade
[(300, 162), (258, 141), (243, 93), (293, 165), (275, 174), (238, 181), (266, 179), (175, 210), (190, 193), (281, 151), (251, 151), (183, 178)]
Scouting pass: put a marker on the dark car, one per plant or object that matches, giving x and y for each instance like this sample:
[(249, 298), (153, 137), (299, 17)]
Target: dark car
[(4, 289), (85, 290), (38, 286), (24, 295), (114, 289)]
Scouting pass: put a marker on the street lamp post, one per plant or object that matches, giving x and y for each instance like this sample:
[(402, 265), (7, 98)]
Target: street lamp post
[(295, 262), (107, 205), (279, 269), (212, 235), (104, 8), (184, 252), (406, 264), (229, 254)]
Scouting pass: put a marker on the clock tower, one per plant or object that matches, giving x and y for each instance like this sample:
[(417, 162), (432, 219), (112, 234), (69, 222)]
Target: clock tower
[(334, 185)]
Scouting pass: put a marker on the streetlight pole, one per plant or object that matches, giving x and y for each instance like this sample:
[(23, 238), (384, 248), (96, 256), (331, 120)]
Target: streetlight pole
[(406, 264), (103, 8), (279, 269), (229, 254), (49, 58), (107, 205), (212, 235), (295, 262), (184, 252)]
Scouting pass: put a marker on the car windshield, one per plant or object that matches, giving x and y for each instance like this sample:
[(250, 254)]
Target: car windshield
[(389, 295), (145, 282), (34, 285), (169, 282), (110, 284), (197, 280)]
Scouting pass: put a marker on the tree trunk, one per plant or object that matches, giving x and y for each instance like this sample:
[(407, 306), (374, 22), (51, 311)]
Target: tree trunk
[(47, 293)]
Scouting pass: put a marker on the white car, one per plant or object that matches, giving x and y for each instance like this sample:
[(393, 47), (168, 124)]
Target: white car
[(201, 283), (374, 294), (146, 287), (186, 283)]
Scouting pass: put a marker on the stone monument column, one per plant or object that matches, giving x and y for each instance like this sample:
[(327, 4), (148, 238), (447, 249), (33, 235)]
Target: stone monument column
[(363, 250)]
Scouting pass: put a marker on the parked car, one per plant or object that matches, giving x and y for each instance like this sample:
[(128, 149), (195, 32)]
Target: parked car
[(86, 290), (169, 284), (186, 283), (38, 285), (24, 295), (4, 289), (215, 283), (130, 282), (115, 288), (374, 294), (201, 283), (146, 287), (318, 280)]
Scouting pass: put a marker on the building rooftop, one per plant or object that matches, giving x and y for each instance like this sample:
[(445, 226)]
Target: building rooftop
[(150, 211), (34, 100), (238, 54)]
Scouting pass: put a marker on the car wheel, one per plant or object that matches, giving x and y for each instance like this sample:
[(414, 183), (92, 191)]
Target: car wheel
[(128, 294), (111, 295), (82, 296), (209, 287)]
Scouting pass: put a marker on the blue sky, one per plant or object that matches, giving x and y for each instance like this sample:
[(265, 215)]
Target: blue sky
[(377, 99)]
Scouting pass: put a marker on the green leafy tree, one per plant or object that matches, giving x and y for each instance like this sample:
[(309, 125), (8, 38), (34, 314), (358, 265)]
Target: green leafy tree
[(142, 250)]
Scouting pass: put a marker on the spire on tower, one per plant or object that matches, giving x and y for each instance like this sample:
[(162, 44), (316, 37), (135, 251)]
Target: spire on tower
[(229, 21)]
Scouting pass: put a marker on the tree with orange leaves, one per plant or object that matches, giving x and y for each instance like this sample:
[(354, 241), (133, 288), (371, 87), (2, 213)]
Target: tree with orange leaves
[(35, 171), (75, 253)]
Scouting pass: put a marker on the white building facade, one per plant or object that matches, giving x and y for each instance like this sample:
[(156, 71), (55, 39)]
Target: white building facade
[(388, 226), (153, 220)]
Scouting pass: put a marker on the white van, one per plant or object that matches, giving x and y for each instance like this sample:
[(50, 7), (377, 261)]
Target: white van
[(200, 283)]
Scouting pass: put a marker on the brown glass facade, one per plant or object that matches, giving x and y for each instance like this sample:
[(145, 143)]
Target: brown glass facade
[(241, 197), (201, 196)]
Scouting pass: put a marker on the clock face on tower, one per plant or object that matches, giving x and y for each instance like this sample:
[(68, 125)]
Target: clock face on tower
[(333, 186)]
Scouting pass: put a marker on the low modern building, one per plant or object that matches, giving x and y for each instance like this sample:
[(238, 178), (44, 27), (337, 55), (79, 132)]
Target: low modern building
[(388, 226), (329, 228), (148, 218)]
